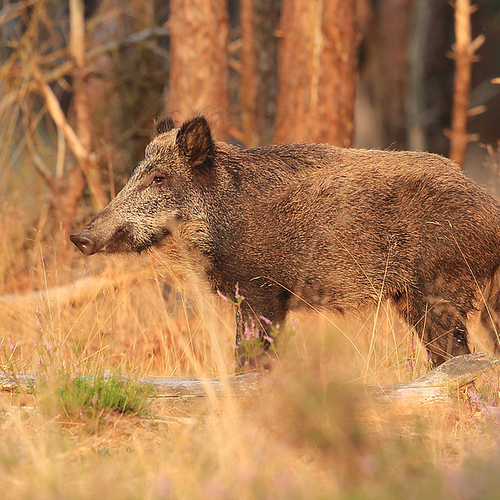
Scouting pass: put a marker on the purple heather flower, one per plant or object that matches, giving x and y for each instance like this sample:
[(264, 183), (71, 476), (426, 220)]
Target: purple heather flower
[(38, 316), (248, 333), (237, 295)]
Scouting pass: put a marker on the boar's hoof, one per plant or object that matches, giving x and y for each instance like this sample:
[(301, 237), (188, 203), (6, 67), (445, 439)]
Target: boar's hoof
[(85, 245)]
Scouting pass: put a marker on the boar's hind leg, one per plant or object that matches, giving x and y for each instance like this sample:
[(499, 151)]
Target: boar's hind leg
[(440, 326)]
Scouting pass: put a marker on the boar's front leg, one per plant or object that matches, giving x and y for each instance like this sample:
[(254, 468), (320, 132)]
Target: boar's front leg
[(256, 325)]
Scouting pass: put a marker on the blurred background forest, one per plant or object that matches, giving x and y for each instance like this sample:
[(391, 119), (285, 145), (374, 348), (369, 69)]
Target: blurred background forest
[(82, 81)]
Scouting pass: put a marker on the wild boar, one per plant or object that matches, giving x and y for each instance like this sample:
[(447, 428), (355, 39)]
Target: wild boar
[(295, 225)]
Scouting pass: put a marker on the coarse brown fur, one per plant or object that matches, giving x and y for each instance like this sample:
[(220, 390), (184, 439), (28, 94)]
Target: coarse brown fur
[(315, 225)]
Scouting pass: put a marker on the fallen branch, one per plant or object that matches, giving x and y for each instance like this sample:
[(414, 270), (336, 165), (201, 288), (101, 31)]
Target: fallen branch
[(439, 385), (247, 384)]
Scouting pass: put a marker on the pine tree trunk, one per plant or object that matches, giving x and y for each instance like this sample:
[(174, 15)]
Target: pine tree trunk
[(317, 71), (199, 72), (259, 76), (389, 69)]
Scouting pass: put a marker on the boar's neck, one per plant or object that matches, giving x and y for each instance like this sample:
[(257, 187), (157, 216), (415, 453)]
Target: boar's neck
[(247, 184)]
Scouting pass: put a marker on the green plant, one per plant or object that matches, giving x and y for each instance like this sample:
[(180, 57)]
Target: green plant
[(98, 395), (63, 390)]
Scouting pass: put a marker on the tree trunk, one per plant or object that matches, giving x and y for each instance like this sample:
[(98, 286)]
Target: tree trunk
[(199, 71), (83, 119), (317, 71), (417, 92), (259, 77), (389, 69), (103, 83)]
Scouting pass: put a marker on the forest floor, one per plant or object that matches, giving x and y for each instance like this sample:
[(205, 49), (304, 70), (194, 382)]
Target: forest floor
[(310, 432)]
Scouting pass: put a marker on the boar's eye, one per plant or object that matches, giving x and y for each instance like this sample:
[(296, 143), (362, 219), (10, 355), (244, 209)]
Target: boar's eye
[(158, 179)]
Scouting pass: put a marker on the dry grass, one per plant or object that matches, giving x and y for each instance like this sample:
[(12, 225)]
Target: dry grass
[(310, 434)]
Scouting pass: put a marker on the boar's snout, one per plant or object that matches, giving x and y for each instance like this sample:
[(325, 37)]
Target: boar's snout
[(86, 245)]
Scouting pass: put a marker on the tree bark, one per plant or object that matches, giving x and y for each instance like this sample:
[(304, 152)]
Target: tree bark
[(317, 71), (416, 95), (389, 69), (259, 76), (199, 71)]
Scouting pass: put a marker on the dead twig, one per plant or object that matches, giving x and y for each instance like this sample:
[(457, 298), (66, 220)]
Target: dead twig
[(57, 114), (86, 161), (40, 165), (67, 67), (13, 10)]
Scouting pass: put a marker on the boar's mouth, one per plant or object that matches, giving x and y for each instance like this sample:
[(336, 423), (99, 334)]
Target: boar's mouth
[(120, 242)]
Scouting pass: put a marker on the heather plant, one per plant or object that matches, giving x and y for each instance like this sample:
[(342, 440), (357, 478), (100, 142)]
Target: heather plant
[(256, 342), (258, 338)]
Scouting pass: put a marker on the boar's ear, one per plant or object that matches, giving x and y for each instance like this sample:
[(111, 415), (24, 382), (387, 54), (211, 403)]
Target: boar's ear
[(194, 141), (163, 125)]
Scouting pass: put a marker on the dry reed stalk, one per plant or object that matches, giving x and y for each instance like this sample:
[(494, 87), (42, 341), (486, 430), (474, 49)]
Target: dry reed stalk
[(57, 115)]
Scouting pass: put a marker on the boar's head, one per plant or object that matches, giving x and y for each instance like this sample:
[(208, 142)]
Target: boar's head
[(163, 191)]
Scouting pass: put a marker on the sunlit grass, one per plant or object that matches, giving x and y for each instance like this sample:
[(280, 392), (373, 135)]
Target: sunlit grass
[(311, 433)]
